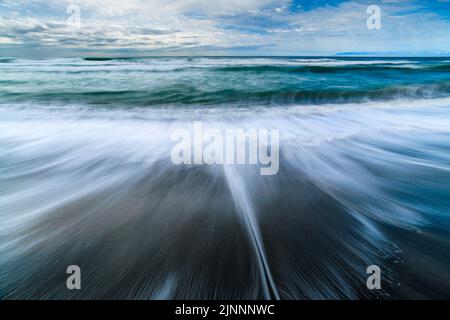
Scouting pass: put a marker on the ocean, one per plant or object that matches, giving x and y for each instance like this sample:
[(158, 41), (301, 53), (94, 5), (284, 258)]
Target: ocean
[(86, 178)]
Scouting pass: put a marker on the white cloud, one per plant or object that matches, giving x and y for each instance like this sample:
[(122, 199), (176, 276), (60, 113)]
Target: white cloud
[(343, 28), (186, 24), (7, 41), (154, 7)]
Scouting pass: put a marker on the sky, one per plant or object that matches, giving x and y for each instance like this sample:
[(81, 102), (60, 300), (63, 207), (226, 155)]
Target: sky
[(44, 28)]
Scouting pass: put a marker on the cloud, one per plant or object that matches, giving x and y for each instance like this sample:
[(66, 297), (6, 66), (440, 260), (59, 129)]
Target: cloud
[(261, 26), (406, 26), (112, 8)]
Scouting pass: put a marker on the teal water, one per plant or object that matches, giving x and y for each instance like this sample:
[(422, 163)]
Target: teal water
[(150, 82), (86, 178)]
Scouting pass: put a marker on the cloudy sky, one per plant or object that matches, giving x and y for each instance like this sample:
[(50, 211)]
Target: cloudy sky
[(221, 27)]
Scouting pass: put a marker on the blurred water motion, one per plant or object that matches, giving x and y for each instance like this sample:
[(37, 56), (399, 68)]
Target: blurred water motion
[(86, 179)]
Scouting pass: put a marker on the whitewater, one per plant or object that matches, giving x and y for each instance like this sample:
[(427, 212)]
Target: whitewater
[(86, 178)]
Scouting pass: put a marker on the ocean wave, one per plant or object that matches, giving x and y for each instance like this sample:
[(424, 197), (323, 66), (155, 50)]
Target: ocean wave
[(209, 62), (358, 185), (190, 95), (7, 60), (220, 81), (138, 67), (86, 178)]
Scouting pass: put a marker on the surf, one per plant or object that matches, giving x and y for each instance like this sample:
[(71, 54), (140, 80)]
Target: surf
[(88, 177)]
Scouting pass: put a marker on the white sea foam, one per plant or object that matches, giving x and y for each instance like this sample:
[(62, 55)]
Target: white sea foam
[(96, 185)]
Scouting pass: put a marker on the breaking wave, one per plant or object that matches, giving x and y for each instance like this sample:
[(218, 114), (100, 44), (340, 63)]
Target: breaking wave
[(363, 180)]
